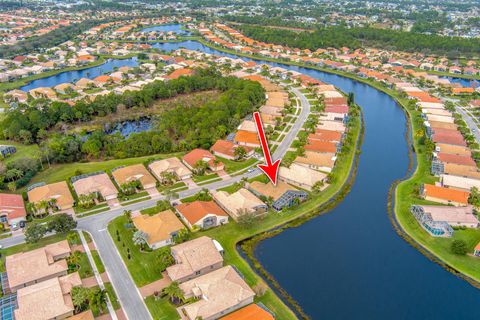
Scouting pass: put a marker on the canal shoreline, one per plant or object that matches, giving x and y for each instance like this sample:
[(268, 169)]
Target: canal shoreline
[(246, 247)]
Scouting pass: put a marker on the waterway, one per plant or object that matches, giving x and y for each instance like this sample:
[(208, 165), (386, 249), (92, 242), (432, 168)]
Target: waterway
[(350, 263), (177, 28), (75, 75)]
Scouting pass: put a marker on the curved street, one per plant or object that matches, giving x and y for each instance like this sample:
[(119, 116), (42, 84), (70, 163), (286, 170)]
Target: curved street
[(127, 292)]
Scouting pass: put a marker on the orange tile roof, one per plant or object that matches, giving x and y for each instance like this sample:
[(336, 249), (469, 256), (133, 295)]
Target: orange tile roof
[(251, 312), (197, 210), (321, 146), (179, 72), (431, 190), (195, 155), (247, 137)]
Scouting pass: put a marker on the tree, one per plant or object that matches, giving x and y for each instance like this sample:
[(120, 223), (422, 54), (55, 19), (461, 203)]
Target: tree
[(182, 236), (62, 223), (168, 178), (246, 218), (34, 232), (97, 300), (174, 293), (200, 167), (240, 153), (140, 238), (80, 298), (474, 198), (317, 187), (459, 247)]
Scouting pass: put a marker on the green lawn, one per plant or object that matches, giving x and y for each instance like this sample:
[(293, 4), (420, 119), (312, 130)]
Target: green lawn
[(135, 196), (142, 266), (198, 179), (61, 172), (112, 296), (23, 151), (98, 207), (98, 261), (85, 269), (161, 309)]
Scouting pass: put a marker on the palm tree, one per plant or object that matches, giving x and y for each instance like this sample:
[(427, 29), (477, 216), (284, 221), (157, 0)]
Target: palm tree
[(140, 238), (173, 292)]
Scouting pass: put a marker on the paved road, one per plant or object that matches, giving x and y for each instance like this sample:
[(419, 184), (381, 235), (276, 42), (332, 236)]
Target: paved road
[(467, 117), (127, 292)]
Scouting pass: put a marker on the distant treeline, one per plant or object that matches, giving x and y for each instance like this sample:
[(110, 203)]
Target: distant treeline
[(366, 37), (48, 40)]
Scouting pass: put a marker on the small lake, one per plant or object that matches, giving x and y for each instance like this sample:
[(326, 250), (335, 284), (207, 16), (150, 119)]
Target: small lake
[(75, 75), (127, 127), (177, 28)]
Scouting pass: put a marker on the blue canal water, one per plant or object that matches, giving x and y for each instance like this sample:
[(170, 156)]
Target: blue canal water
[(76, 75), (177, 28), (350, 263)]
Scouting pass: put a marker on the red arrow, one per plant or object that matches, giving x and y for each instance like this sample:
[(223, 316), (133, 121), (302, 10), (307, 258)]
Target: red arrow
[(270, 169)]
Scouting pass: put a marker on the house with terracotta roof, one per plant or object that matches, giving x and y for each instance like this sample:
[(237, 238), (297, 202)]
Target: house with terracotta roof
[(193, 157), (195, 258), (476, 250), (160, 228), (43, 92), (136, 172), (97, 184), (12, 210), (202, 214), (317, 161), (226, 149), (321, 146), (301, 176), (461, 170), (444, 195), (217, 293), (56, 194), (170, 165), (30, 267), (326, 135), (179, 73), (283, 195), (49, 299), (250, 312), (105, 80), (239, 203), (247, 138)]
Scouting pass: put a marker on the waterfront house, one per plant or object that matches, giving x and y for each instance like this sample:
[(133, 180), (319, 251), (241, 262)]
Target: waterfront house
[(56, 194), (476, 250), (28, 268), (170, 165), (443, 195), (461, 183), (160, 228), (332, 126), (434, 227), (282, 194), (301, 176), (217, 293), (202, 214), (461, 170), (12, 210), (239, 203), (321, 146), (195, 258), (250, 312), (50, 299), (326, 135), (317, 161), (454, 216), (136, 172), (193, 157)]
